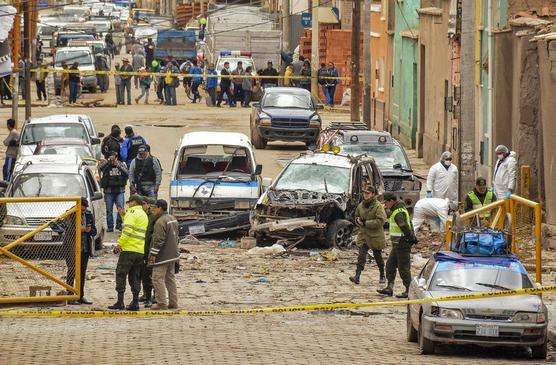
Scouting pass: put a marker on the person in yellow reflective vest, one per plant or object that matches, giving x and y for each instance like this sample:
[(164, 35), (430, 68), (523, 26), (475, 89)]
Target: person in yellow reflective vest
[(479, 197), (131, 247)]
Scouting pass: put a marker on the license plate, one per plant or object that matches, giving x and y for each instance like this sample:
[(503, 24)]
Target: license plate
[(486, 330), (43, 236), (196, 229)]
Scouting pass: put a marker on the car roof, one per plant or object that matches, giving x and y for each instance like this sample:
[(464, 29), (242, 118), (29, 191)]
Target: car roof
[(215, 138), (62, 141), (55, 164), (286, 90), (323, 158), (57, 118)]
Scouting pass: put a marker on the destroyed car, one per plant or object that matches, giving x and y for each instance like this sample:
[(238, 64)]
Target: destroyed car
[(215, 182), (315, 196), (357, 139)]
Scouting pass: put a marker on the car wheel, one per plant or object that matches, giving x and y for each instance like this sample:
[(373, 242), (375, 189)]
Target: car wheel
[(258, 141), (426, 346), (339, 234), (411, 331), (539, 352), (93, 90)]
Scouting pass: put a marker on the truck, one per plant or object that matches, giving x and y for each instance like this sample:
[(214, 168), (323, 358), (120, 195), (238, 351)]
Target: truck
[(179, 44), (247, 29)]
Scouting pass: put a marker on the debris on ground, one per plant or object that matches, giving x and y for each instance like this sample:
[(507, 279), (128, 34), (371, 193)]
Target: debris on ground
[(331, 255), (227, 243), (275, 249), (263, 280), (190, 240), (248, 243)]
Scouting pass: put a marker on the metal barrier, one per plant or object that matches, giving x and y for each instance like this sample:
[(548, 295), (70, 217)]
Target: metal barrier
[(40, 249), (519, 217)]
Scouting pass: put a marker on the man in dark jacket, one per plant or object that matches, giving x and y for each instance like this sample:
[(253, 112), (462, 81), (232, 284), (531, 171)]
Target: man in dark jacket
[(112, 142), (147, 271), (163, 255), (130, 145), (74, 83), (269, 71), (402, 237), (113, 180), (225, 84), (145, 174)]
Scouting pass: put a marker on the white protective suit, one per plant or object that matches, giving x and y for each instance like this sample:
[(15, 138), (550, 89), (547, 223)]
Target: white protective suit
[(505, 175), (434, 211), (442, 182)]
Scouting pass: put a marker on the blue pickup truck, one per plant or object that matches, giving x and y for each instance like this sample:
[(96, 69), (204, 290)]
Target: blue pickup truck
[(179, 44)]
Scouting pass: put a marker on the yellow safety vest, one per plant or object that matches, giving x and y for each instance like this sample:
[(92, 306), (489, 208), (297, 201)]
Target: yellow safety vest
[(395, 230), (477, 203), (134, 228)]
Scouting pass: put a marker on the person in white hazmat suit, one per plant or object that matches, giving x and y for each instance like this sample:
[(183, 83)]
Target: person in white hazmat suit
[(442, 181), (434, 211), (505, 172)]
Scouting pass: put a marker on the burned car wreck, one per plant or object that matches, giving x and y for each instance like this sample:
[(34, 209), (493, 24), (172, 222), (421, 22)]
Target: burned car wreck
[(314, 197)]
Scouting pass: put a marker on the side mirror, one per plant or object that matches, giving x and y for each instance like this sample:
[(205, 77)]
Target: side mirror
[(101, 135), (422, 283), (267, 181), (320, 107), (95, 140), (256, 104), (258, 170), (97, 196)]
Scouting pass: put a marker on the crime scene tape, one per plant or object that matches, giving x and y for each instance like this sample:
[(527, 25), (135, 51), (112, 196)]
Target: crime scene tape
[(164, 74), (299, 308)]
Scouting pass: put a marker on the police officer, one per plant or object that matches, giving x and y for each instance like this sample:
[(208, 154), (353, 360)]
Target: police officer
[(402, 237), (113, 180), (147, 271), (130, 145), (145, 174), (479, 197), (370, 217), (131, 247)]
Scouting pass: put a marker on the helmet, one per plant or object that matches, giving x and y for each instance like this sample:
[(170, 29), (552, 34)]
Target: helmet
[(154, 63)]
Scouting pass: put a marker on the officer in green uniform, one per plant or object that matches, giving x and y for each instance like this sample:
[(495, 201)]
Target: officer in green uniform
[(147, 271), (402, 237), (370, 217), (479, 197)]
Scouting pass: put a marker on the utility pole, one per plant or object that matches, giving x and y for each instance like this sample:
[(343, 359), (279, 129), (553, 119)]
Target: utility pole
[(16, 32), (355, 44), (286, 24), (27, 50), (315, 47), (368, 64)]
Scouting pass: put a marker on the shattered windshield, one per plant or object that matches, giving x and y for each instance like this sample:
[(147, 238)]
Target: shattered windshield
[(46, 185), (318, 178), (386, 156)]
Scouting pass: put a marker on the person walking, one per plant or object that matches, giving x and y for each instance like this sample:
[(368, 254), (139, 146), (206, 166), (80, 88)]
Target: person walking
[(145, 81), (305, 82), (247, 87), (88, 232), (119, 86), (171, 82), (149, 51), (442, 180), (112, 142), (225, 84), (402, 237), (370, 217), (114, 175), (505, 172), (288, 76), (64, 82), (40, 82), (138, 62), (238, 82), (163, 256), (269, 72), (196, 81), (212, 83), (74, 82), (131, 144), (109, 40), (11, 142), (101, 64), (331, 84), (145, 174), (131, 247), (146, 269), (126, 81)]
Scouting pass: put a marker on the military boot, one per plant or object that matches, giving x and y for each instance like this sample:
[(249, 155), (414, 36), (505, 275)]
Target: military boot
[(119, 305), (134, 305), (382, 278), (388, 291), (148, 299), (402, 295), (355, 279)]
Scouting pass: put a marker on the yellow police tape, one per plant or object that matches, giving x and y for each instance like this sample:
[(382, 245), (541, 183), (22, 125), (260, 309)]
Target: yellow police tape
[(299, 308)]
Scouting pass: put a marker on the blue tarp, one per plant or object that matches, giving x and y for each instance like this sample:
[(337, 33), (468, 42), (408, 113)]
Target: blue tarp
[(505, 260)]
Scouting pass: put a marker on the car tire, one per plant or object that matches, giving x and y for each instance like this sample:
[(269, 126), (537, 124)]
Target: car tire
[(412, 335), (93, 90), (539, 352), (258, 141), (426, 346), (339, 234)]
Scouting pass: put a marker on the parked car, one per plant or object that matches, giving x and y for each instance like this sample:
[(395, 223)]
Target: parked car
[(57, 126), (356, 139), (86, 60), (215, 182), (50, 176), (67, 146), (315, 196), (499, 321), (285, 114)]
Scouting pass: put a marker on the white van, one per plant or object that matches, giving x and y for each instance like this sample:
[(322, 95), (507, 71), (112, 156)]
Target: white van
[(215, 182), (86, 60)]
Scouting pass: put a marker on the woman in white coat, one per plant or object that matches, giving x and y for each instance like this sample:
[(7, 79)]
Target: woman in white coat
[(442, 181), (505, 172)]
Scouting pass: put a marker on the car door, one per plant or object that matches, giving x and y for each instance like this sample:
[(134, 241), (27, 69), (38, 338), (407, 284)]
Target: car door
[(97, 206), (415, 292)]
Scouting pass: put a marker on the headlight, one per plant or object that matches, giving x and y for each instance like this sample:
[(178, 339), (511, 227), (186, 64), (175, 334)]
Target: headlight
[(265, 119), (14, 221), (315, 118), (446, 313), (242, 204), (529, 317)]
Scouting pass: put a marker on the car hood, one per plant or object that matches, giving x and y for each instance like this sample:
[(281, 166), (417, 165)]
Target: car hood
[(39, 210), (289, 113), (302, 198), (521, 303)]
